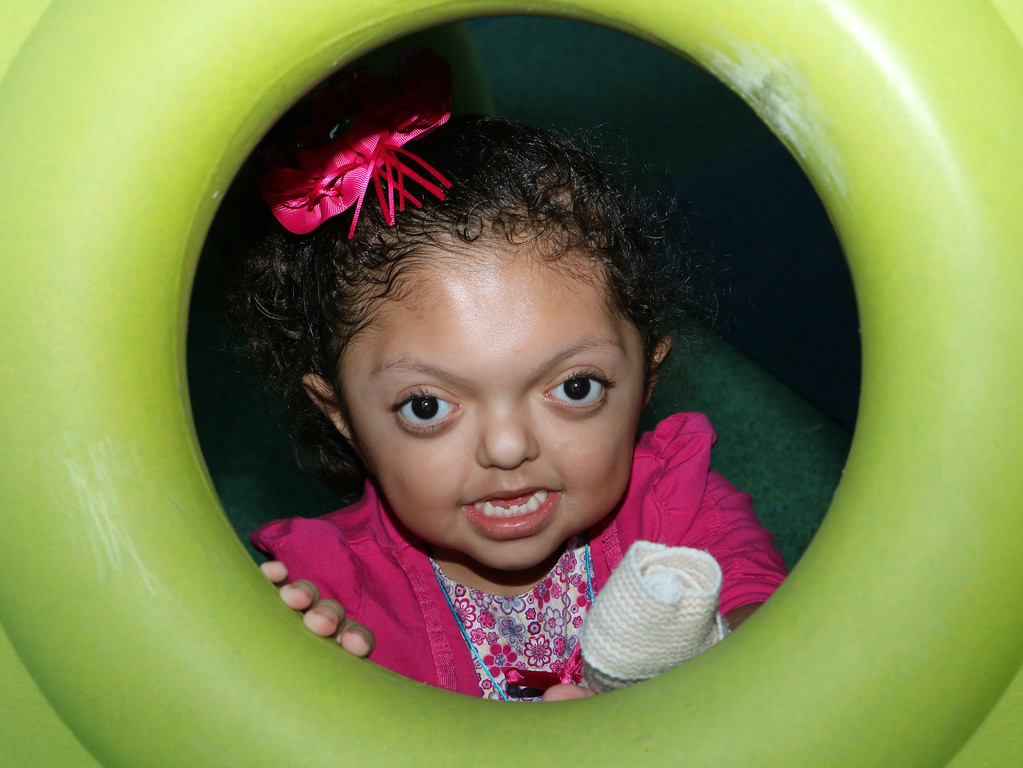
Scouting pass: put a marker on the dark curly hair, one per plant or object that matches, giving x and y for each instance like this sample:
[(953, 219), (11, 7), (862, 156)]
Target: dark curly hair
[(301, 298)]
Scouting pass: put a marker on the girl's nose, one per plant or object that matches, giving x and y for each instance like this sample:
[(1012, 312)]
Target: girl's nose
[(507, 442)]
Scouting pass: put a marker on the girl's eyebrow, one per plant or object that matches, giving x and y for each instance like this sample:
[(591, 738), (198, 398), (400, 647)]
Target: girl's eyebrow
[(411, 364)]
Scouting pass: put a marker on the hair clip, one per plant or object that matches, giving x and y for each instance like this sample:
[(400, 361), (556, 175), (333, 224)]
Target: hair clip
[(359, 139)]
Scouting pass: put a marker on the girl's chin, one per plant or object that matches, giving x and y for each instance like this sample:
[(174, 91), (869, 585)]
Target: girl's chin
[(515, 570)]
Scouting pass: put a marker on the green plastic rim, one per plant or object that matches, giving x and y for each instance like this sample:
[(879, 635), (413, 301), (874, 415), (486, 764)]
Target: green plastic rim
[(134, 606)]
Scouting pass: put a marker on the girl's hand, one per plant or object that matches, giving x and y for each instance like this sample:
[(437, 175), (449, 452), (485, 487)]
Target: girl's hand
[(321, 615), (566, 691)]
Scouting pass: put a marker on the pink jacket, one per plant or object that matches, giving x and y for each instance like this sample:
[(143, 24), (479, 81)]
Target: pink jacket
[(361, 557)]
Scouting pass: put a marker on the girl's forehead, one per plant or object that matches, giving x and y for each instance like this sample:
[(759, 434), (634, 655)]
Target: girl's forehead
[(482, 268), (498, 298)]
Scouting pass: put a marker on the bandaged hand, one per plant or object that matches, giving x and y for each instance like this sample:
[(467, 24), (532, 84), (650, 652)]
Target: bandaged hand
[(658, 609)]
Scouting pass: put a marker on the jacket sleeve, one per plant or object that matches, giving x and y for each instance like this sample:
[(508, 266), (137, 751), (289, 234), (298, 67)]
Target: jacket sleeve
[(752, 567), (696, 507)]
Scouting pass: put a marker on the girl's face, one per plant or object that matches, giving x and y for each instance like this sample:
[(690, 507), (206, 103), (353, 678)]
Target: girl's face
[(496, 405)]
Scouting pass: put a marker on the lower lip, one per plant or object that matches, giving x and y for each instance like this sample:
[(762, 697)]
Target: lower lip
[(504, 528)]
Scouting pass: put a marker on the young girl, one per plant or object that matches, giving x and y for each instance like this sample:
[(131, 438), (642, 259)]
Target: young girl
[(476, 351)]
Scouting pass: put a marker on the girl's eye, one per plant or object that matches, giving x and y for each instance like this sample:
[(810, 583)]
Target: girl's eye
[(424, 410), (579, 390)]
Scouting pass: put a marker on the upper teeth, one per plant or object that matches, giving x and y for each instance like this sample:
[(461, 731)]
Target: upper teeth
[(514, 510)]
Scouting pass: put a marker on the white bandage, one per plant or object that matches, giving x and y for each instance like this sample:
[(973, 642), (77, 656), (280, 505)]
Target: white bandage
[(658, 610)]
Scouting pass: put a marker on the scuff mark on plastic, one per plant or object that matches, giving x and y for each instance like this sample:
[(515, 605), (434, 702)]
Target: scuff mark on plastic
[(94, 480), (780, 93)]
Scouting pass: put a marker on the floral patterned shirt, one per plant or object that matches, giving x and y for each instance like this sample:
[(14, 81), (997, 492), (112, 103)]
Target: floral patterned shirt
[(513, 638)]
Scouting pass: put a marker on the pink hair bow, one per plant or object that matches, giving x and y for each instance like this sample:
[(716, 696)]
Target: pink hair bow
[(386, 113)]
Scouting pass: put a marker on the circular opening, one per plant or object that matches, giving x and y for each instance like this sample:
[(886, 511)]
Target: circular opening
[(767, 257)]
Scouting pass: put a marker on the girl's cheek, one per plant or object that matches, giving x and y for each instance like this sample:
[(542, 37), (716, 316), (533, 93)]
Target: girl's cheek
[(420, 464)]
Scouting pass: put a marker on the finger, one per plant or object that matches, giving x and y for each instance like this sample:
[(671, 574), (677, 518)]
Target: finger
[(356, 638), (564, 692), (275, 571), (300, 594), (325, 618)]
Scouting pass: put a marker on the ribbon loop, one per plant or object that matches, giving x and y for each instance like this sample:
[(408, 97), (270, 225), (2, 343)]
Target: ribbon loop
[(383, 114)]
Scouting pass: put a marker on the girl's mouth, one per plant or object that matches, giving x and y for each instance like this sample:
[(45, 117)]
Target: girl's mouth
[(513, 517), (514, 507)]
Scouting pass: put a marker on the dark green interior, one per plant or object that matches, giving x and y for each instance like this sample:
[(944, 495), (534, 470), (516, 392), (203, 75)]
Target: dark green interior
[(778, 372)]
